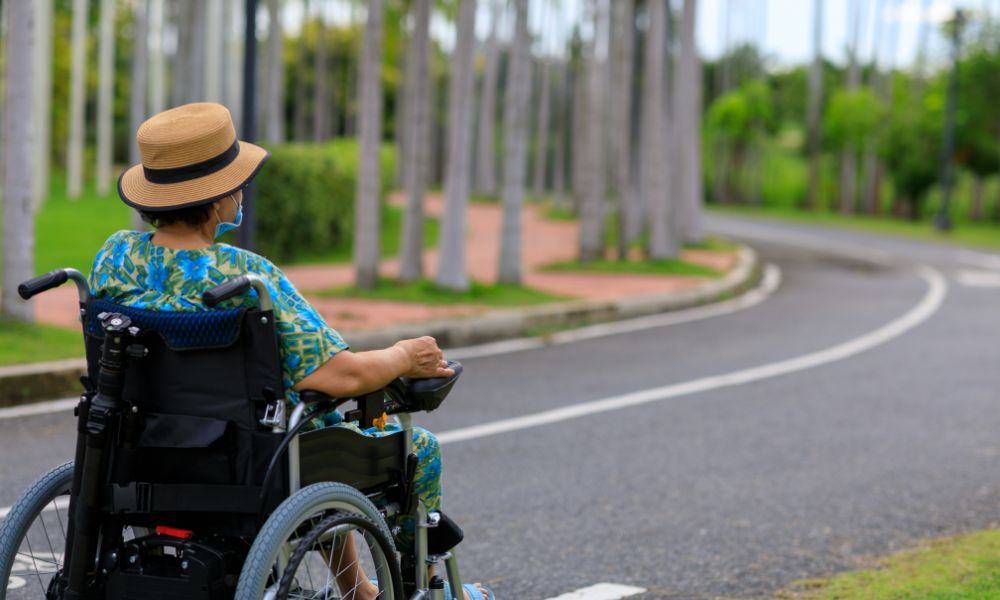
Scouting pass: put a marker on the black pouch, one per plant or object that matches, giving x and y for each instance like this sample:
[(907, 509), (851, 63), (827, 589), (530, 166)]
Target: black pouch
[(187, 449)]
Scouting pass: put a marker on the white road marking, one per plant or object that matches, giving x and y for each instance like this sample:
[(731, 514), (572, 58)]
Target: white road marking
[(978, 279), (602, 591), (38, 408), (982, 260), (937, 288), (59, 503), (768, 285)]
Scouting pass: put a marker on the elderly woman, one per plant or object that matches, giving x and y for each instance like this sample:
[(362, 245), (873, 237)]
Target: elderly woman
[(189, 188)]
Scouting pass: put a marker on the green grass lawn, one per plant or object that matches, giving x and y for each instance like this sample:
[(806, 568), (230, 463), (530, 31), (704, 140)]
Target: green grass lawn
[(646, 267), (427, 292), (22, 343), (966, 567), (966, 233), (69, 232)]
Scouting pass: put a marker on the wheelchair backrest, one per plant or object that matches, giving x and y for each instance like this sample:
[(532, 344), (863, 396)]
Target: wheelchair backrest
[(200, 383)]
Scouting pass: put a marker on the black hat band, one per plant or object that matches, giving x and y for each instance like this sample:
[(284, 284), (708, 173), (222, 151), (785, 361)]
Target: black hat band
[(189, 172)]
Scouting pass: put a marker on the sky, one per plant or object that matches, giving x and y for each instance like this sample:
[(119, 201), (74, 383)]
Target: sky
[(784, 25), (787, 28)]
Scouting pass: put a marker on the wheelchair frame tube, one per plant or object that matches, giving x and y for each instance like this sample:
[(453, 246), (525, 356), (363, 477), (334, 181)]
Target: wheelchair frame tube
[(294, 476)]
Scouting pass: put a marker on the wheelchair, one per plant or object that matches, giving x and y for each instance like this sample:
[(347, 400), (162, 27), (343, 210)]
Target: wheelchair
[(191, 481)]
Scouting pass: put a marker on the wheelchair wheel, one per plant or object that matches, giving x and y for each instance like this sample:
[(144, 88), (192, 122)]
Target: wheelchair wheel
[(342, 553), (33, 536), (289, 528)]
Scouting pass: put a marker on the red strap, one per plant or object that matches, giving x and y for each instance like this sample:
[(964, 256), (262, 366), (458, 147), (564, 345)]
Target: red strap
[(173, 532)]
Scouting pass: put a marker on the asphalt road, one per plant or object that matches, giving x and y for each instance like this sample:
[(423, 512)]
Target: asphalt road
[(733, 491)]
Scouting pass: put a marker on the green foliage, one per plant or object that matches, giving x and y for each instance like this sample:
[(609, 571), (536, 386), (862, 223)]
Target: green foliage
[(912, 149), (305, 198), (978, 120), (647, 267), (24, 343), (851, 117), (743, 115), (426, 292)]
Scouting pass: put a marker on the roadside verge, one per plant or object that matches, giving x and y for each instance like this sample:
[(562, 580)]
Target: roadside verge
[(24, 384)]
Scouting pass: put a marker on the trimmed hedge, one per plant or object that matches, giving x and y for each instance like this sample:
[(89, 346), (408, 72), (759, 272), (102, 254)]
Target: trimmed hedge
[(304, 197)]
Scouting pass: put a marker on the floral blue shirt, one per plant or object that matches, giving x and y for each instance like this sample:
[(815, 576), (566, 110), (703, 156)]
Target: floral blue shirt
[(132, 271)]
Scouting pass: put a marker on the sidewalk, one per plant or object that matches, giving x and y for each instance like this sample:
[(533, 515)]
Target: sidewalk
[(545, 241)]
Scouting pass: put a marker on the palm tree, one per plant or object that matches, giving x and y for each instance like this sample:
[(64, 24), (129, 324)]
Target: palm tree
[(43, 98), (687, 124), (18, 213), (621, 121), (105, 95), (516, 99), (451, 267), (870, 174), (157, 66), (214, 48), (542, 130), (367, 218), (77, 100), (815, 108), (301, 89), (416, 140), (234, 23), (320, 95), (848, 156), (137, 94), (592, 177), (654, 178), (274, 85), (486, 169)]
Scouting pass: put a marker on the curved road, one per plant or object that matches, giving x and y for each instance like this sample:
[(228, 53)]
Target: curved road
[(870, 420)]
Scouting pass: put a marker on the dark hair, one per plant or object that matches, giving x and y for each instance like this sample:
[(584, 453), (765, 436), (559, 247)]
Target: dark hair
[(192, 215)]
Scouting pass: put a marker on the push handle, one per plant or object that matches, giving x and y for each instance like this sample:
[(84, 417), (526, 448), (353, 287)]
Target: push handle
[(39, 284), (226, 290)]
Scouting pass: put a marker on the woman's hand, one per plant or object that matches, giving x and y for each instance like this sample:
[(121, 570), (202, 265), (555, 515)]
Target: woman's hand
[(426, 358)]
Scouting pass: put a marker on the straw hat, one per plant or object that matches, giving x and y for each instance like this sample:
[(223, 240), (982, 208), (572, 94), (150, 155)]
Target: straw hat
[(190, 156)]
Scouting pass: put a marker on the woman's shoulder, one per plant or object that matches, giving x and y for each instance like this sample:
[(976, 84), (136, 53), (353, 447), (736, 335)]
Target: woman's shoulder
[(250, 261)]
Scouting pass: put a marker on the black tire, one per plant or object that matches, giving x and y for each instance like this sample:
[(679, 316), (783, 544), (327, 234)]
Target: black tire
[(39, 564), (295, 518), (378, 554)]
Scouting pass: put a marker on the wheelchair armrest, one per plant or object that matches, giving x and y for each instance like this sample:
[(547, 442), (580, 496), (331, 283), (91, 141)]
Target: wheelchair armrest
[(313, 396)]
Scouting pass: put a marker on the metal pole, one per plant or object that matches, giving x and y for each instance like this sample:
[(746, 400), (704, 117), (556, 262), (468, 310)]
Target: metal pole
[(942, 222), (246, 232)]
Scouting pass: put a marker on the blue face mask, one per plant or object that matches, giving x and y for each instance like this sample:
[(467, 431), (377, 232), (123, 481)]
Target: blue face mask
[(224, 226)]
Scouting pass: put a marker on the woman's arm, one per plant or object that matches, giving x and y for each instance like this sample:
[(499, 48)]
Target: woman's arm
[(349, 374)]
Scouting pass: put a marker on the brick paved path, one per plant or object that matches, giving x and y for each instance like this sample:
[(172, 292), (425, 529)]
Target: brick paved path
[(545, 241)]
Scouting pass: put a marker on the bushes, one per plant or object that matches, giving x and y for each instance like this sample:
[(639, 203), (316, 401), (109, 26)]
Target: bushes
[(305, 198)]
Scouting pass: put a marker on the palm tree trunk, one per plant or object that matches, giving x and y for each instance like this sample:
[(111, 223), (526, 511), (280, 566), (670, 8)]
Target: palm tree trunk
[(976, 212), (157, 65), (451, 267), (196, 67), (869, 160), (561, 133), (662, 242), (77, 100), (418, 122), (815, 109), (18, 213), (137, 93), (848, 156), (687, 124), (181, 80), (321, 101), (516, 99), (105, 96), (275, 82), (214, 50), (621, 121), (43, 100), (542, 133), (593, 179), (234, 22), (301, 88), (579, 125), (486, 164), (367, 206)]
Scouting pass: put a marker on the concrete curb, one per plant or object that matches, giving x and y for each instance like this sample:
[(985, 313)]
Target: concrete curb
[(24, 384)]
